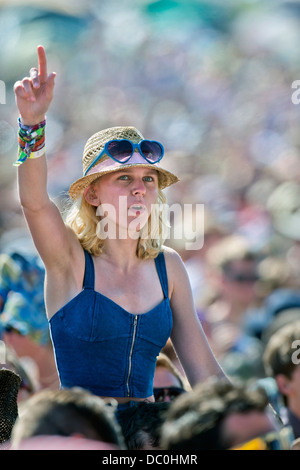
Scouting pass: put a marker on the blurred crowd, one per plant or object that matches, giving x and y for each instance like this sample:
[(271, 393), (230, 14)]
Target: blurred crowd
[(213, 82)]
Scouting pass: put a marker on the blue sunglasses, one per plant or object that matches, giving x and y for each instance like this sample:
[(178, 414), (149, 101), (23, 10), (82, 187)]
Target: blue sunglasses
[(122, 150)]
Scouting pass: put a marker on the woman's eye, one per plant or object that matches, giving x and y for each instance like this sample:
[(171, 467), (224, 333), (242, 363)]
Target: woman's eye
[(147, 179)]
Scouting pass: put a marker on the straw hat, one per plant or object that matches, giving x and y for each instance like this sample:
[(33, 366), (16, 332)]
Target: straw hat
[(94, 147)]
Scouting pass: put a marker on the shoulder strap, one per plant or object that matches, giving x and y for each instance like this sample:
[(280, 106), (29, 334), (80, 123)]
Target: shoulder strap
[(162, 273), (89, 274)]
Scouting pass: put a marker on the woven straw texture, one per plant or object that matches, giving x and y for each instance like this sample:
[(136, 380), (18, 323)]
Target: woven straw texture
[(95, 145), (96, 142)]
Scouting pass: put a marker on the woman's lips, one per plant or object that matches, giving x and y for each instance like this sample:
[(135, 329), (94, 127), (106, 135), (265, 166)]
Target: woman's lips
[(136, 209)]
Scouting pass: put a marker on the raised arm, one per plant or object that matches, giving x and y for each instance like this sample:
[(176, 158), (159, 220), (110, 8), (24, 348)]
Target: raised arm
[(33, 98), (188, 337)]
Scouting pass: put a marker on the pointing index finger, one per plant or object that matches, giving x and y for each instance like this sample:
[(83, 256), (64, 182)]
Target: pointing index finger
[(42, 63)]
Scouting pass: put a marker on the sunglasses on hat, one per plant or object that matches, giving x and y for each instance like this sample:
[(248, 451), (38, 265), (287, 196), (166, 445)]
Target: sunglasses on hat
[(122, 150)]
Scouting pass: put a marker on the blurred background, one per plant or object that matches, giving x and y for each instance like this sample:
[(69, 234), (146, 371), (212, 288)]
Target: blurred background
[(213, 81)]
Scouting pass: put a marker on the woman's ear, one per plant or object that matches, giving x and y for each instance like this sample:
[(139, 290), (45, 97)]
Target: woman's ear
[(91, 196)]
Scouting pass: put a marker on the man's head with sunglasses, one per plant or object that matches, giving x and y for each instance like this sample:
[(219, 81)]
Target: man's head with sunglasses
[(218, 415), (233, 266), (168, 381)]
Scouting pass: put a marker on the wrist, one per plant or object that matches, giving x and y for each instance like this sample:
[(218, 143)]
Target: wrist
[(31, 139), (32, 121)]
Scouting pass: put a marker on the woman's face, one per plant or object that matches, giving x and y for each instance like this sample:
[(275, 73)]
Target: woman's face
[(125, 197)]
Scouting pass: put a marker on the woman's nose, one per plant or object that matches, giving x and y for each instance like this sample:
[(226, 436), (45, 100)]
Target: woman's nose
[(138, 187)]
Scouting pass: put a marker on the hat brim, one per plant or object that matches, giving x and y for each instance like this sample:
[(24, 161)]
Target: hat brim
[(165, 178)]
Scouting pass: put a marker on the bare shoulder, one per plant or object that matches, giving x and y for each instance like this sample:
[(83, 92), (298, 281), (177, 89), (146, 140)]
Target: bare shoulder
[(176, 271), (173, 259)]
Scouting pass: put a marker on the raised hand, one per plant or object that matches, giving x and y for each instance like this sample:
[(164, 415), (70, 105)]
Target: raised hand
[(34, 93)]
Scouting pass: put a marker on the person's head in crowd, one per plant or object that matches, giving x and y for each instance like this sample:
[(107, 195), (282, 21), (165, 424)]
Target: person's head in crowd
[(141, 425), (279, 307), (67, 413), (280, 301), (283, 318), (274, 272), (233, 268), (282, 362), (219, 415), (168, 381)]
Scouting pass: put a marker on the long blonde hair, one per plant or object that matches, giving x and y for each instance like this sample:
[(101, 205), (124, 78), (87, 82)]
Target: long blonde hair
[(81, 217)]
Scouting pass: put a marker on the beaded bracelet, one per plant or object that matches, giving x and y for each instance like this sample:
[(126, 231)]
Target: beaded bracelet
[(31, 141)]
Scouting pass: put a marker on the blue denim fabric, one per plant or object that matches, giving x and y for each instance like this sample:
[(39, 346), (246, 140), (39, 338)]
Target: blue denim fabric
[(105, 349)]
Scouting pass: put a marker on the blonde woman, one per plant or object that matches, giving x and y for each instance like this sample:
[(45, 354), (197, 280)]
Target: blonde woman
[(113, 294)]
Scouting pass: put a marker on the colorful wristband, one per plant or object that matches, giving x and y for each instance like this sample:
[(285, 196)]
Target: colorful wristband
[(37, 154), (31, 141)]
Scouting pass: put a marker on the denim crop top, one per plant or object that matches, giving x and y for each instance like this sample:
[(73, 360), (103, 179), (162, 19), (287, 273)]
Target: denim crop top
[(103, 348)]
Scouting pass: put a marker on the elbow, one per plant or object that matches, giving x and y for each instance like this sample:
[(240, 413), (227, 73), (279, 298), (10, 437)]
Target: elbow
[(31, 206)]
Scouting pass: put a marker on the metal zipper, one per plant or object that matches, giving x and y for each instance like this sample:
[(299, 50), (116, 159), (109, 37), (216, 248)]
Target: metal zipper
[(130, 353)]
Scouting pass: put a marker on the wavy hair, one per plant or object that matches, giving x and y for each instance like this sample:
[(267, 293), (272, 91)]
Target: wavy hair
[(82, 218)]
